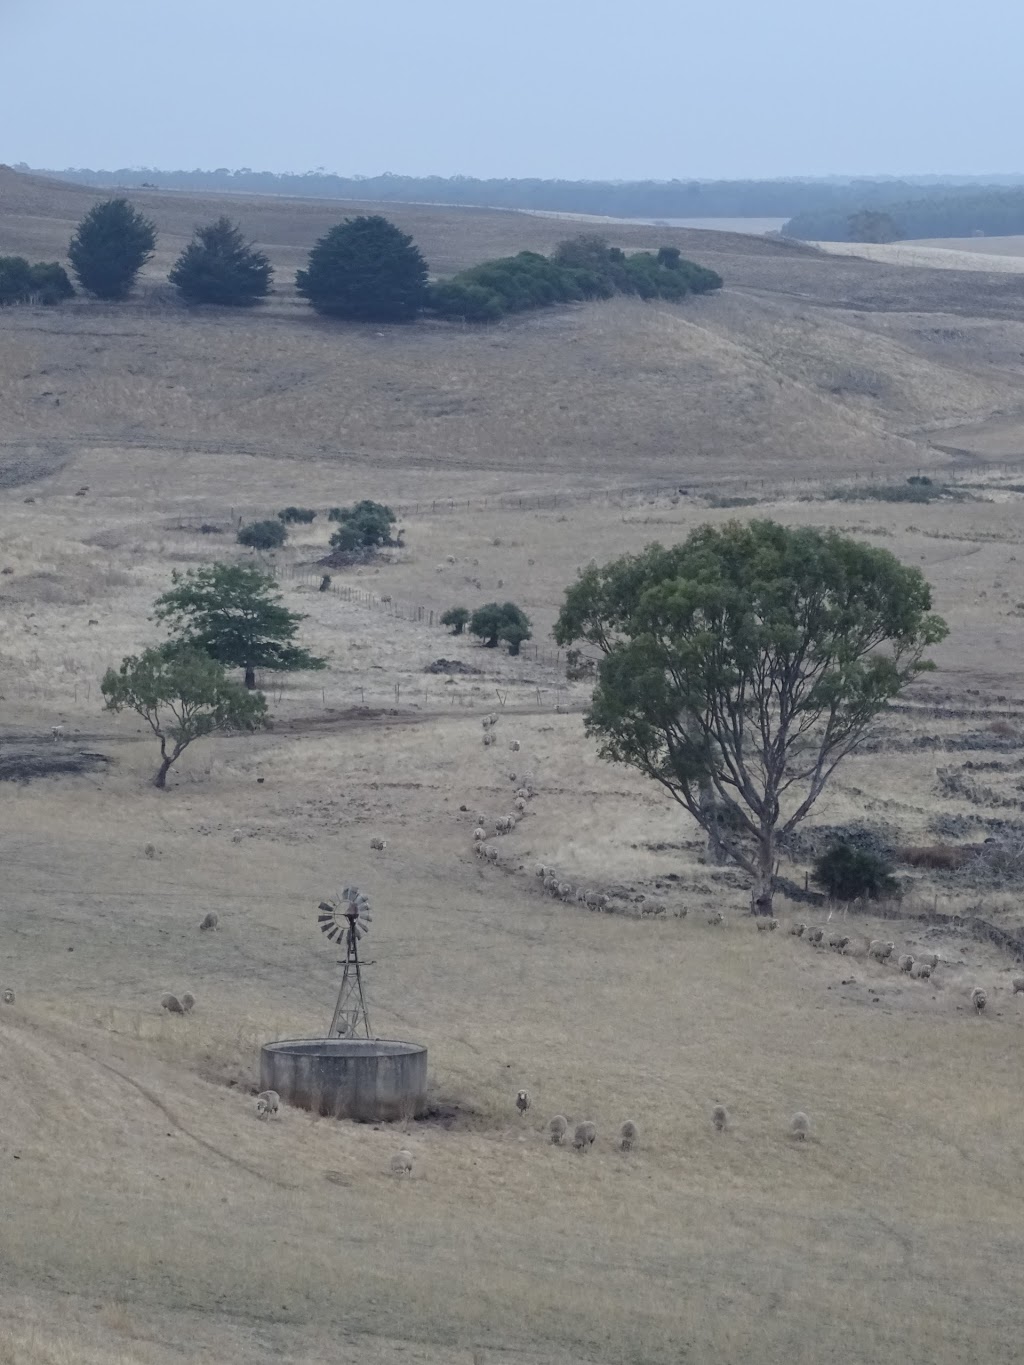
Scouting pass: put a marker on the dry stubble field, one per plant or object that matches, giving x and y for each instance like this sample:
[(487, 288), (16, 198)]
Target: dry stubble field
[(147, 1215)]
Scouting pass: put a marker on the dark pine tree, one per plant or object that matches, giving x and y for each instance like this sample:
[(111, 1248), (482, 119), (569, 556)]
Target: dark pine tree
[(220, 266), (365, 270), (111, 245)]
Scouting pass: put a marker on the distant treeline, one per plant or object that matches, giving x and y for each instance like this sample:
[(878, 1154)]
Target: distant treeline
[(964, 212), (615, 199)]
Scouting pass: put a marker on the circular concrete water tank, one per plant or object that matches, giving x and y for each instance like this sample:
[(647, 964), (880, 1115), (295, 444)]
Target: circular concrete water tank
[(367, 1079)]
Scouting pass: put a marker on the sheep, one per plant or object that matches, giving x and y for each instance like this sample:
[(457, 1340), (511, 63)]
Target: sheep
[(814, 937), (979, 999), (236, 836), (1018, 985), (520, 806), (719, 1118), (566, 891), (480, 818), (595, 900), (920, 971), (489, 721), (8, 997), (267, 1103), (840, 942), (798, 930), (57, 732), (766, 925), (523, 794), (171, 1004), (551, 884), (187, 1002), (210, 920), (715, 917), (514, 746), (401, 1162), (523, 1101), (835, 939), (488, 739), (378, 844), (479, 834), (905, 962), (491, 855), (557, 1129), (799, 1126), (504, 824), (931, 958), (880, 950), (629, 1136), (585, 1136)]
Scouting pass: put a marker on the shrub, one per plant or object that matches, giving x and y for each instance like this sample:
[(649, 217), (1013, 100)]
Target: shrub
[(111, 245), (45, 282), (302, 514), (219, 266), (457, 618), (263, 535), (470, 302), (500, 621), (365, 270), (366, 525), (15, 279), (849, 874)]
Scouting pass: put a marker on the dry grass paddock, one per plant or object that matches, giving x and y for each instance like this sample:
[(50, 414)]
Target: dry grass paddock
[(148, 1217)]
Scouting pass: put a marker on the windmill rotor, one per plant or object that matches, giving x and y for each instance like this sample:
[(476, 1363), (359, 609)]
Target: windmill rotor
[(345, 921)]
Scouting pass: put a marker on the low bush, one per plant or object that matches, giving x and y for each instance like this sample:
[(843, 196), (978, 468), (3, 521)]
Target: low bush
[(263, 535), (366, 525), (301, 514), (849, 874), (45, 282), (457, 618), (501, 621)]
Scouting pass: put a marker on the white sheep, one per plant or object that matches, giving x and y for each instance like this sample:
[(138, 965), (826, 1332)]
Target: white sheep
[(766, 925), (520, 806), (378, 844), (629, 1136), (798, 930), (799, 1126), (814, 936), (880, 950), (1018, 985), (566, 891), (210, 920), (557, 1129), (585, 1136), (8, 997), (514, 746), (979, 998), (504, 824), (188, 1002), (479, 834), (523, 1101), (719, 1118), (921, 971), (523, 794), (488, 739), (540, 870), (267, 1103), (57, 732), (401, 1162), (491, 855), (715, 917), (171, 1004), (905, 962), (931, 958), (596, 900)]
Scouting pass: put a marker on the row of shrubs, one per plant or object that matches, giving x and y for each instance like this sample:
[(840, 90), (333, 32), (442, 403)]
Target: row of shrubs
[(45, 282), (364, 269), (364, 526)]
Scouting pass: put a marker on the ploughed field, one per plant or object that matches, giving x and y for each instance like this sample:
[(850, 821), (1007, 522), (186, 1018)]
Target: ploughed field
[(149, 1215)]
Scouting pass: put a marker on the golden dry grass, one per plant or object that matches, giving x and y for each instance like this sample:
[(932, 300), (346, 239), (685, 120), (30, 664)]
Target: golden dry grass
[(148, 1216)]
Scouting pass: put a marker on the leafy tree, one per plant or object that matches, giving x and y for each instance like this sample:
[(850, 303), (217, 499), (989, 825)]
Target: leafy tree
[(112, 244), (220, 266), (500, 621), (871, 225), (263, 535), (234, 613), (742, 666), (366, 270), (457, 618), (849, 874), (182, 695), (301, 514), (366, 525)]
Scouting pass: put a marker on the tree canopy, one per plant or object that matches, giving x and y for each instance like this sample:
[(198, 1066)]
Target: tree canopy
[(45, 282), (263, 535), (365, 525), (234, 613), (504, 621), (741, 666), (365, 270), (182, 695), (110, 246), (220, 266)]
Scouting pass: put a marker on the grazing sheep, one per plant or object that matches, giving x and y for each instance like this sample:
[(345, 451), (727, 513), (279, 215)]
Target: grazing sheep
[(715, 917), (523, 794), (489, 721), (931, 958), (584, 1136), (719, 1118), (979, 999), (629, 1136), (920, 971), (880, 950), (814, 937), (514, 746), (401, 1163), (551, 884), (766, 925), (523, 1101), (557, 1129), (595, 900), (905, 962), (8, 997), (1018, 985), (504, 824), (171, 1004), (798, 930), (57, 731), (799, 1126), (488, 739), (210, 920), (378, 845), (833, 940), (479, 834), (188, 1002), (491, 855), (267, 1103), (840, 942), (566, 891), (520, 806)]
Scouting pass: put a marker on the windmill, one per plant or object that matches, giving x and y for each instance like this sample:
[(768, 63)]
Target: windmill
[(346, 921)]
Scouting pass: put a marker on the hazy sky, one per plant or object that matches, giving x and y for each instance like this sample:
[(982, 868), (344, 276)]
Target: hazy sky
[(664, 88)]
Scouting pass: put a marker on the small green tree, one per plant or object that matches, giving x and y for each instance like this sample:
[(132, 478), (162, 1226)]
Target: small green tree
[(457, 618), (220, 266), (305, 515), (263, 535), (365, 270), (234, 613), (45, 282), (182, 695), (112, 244), (742, 666), (850, 874), (366, 525), (496, 621)]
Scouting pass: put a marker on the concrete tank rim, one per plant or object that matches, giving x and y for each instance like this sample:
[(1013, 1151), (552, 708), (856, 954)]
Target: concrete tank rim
[(343, 1047)]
